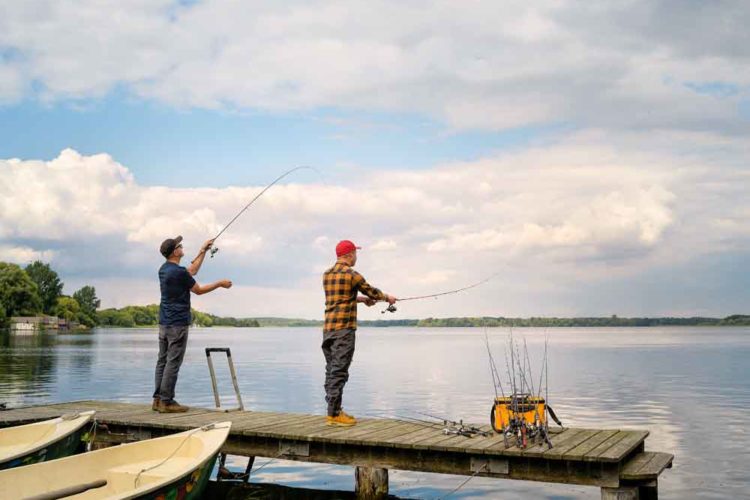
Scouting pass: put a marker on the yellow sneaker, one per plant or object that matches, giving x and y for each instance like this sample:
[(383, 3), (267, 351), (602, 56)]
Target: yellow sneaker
[(341, 420), (342, 412)]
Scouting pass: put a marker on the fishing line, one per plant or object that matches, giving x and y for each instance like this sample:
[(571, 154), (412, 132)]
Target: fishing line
[(480, 470), (392, 308), (214, 249), (493, 368)]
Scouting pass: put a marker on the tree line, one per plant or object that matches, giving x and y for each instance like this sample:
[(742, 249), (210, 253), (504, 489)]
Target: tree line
[(131, 316), (37, 290), (734, 320)]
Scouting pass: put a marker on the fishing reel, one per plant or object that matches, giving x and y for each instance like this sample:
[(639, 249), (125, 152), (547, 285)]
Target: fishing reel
[(391, 308), (212, 251), (460, 429)]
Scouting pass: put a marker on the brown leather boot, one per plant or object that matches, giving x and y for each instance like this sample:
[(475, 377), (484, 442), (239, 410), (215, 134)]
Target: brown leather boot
[(155, 404), (173, 407)]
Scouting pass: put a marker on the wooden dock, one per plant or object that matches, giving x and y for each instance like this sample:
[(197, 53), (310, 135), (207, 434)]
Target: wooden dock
[(613, 460)]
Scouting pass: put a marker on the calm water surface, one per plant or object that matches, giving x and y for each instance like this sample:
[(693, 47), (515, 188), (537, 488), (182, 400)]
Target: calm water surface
[(690, 387)]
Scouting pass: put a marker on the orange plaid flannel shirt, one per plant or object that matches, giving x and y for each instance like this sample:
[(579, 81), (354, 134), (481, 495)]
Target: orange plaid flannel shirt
[(341, 284)]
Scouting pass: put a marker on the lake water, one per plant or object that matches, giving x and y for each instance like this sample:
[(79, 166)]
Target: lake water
[(690, 387)]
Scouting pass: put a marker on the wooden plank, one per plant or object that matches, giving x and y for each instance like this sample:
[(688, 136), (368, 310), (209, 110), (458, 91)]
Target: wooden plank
[(656, 466), (645, 466), (582, 449), (182, 421), (631, 468), (259, 425), (560, 451), (621, 449), (465, 444), (364, 435), (409, 440), (280, 429), (451, 443), (338, 431), (477, 443), (246, 421), (249, 422), (493, 444), (402, 441), (531, 451), (381, 437), (303, 429), (352, 435), (362, 428), (593, 454)]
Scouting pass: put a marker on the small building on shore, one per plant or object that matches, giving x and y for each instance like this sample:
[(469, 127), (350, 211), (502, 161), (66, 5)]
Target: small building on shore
[(26, 324), (33, 324)]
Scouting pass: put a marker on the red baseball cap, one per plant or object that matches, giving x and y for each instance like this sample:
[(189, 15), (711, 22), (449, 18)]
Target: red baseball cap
[(344, 247)]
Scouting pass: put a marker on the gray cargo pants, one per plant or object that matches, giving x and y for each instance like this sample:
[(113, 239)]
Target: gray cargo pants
[(172, 345), (338, 349)]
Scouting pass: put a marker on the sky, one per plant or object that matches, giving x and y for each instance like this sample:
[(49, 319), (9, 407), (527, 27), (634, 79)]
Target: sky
[(593, 158)]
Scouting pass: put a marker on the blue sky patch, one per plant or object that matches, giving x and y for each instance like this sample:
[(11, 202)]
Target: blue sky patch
[(166, 146)]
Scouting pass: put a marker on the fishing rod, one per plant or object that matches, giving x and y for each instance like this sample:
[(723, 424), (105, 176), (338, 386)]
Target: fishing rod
[(457, 427), (392, 308), (213, 249)]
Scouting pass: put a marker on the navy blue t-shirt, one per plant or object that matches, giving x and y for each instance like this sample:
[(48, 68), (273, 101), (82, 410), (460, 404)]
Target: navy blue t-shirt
[(175, 283)]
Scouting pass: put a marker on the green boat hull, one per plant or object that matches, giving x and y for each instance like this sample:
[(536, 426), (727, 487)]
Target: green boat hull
[(65, 447), (189, 487)]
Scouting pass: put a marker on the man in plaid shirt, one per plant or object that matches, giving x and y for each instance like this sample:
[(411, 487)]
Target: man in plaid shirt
[(342, 284)]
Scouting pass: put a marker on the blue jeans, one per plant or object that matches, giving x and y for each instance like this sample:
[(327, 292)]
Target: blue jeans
[(172, 345)]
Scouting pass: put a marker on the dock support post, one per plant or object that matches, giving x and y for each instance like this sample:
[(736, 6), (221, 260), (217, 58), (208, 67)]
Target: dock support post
[(371, 483), (648, 491), (621, 493)]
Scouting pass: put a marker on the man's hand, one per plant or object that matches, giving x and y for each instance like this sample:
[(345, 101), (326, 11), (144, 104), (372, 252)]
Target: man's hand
[(207, 245), (390, 299), (225, 283)]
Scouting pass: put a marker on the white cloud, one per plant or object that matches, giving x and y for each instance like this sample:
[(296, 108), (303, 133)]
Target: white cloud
[(476, 64), (23, 255), (586, 207), (384, 244)]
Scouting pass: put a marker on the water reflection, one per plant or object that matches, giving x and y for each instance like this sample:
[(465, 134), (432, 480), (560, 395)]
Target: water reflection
[(688, 386), (27, 364)]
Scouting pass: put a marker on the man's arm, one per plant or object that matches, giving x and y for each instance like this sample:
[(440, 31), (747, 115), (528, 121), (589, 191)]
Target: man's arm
[(373, 293), (197, 262), (199, 289), (366, 300)]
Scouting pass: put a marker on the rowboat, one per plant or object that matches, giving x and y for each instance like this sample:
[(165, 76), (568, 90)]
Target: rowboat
[(42, 441), (171, 467)]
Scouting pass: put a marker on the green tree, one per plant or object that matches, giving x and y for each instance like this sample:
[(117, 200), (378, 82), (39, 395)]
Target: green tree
[(201, 319), (89, 303), (67, 308), (48, 282), (19, 295)]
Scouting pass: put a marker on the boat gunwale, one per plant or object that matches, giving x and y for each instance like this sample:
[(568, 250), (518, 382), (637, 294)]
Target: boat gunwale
[(88, 413)]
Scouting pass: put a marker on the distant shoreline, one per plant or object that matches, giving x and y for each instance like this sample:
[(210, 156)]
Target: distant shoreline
[(468, 322)]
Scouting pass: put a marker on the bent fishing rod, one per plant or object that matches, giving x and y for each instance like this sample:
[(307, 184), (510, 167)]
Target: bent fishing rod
[(392, 308), (213, 249)]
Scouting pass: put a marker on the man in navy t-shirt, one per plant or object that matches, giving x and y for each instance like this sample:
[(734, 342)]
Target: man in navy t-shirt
[(176, 283)]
